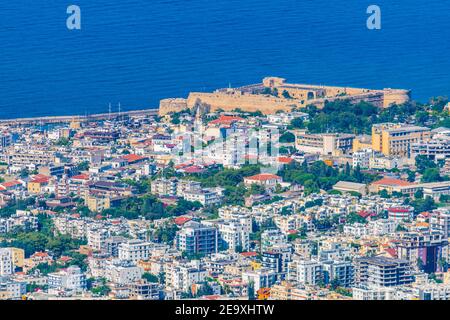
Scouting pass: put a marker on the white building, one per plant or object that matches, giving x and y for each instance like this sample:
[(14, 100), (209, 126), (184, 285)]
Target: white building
[(123, 272), (6, 262), (440, 221), (97, 237), (261, 278), (362, 158), (182, 277), (232, 234), (69, 279), (134, 250), (207, 197), (309, 272)]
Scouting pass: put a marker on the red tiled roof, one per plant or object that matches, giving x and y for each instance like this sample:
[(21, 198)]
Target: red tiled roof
[(40, 178), (392, 252), (285, 160), (366, 214), (393, 182), (181, 220), (81, 177), (40, 254), (132, 158), (12, 183), (193, 169), (249, 254), (399, 209), (263, 177), (226, 120), (182, 165), (65, 258)]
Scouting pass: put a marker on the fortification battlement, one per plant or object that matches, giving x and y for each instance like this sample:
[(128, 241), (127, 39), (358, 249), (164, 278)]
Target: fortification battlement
[(274, 94)]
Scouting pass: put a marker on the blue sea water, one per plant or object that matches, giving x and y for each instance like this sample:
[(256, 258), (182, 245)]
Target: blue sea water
[(137, 52)]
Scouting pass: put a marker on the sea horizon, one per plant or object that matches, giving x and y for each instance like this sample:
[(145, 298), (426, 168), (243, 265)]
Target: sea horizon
[(137, 53)]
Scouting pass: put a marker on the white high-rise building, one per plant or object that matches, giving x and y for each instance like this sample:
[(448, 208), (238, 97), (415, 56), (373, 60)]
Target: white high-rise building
[(6, 262), (134, 250)]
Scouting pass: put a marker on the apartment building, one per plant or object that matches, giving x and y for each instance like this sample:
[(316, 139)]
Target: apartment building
[(134, 250), (396, 139), (382, 272), (324, 143), (30, 157), (11, 289), (361, 158), (440, 221), (436, 149), (67, 279), (123, 271), (207, 197), (233, 235), (164, 187), (307, 272), (261, 278), (422, 249), (340, 271), (96, 238), (143, 290), (197, 238), (6, 262)]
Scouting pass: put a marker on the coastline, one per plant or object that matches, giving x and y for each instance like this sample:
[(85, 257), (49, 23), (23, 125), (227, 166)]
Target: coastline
[(69, 118)]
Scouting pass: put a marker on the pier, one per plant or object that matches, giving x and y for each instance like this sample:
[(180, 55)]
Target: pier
[(66, 119)]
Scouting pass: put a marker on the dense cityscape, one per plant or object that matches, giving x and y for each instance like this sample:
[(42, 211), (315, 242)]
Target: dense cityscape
[(272, 191)]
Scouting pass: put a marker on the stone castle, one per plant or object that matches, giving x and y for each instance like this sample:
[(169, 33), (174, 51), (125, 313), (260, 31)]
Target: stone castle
[(275, 94)]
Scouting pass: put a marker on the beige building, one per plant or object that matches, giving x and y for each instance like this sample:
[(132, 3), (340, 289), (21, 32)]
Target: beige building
[(325, 144), (362, 142), (396, 139)]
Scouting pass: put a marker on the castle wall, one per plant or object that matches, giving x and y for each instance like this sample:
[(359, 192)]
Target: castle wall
[(302, 95), (247, 102)]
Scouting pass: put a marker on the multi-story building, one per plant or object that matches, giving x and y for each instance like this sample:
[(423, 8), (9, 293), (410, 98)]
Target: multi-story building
[(435, 149), (440, 221), (340, 271), (308, 271), (396, 139), (143, 290), (67, 279), (184, 186), (134, 250), (197, 238), (96, 238), (399, 214), (207, 197), (233, 235), (382, 272), (261, 278), (164, 187), (12, 290), (271, 238), (28, 157), (123, 272), (361, 158), (324, 143), (422, 249), (6, 262), (182, 277)]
